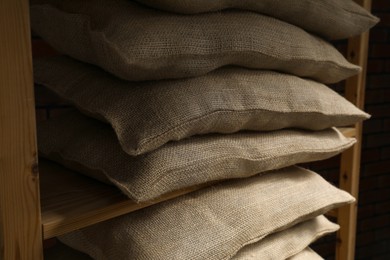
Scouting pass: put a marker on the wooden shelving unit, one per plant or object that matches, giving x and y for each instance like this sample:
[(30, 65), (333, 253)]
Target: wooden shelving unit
[(79, 201), (70, 201)]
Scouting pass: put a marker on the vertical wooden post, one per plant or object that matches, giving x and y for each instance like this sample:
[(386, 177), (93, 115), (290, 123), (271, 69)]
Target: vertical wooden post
[(350, 160), (20, 217)]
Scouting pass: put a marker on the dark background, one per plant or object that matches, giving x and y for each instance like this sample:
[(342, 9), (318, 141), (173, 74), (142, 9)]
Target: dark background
[(373, 228)]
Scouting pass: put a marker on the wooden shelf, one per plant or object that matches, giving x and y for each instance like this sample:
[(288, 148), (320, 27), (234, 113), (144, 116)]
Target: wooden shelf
[(348, 131), (333, 213), (71, 201)]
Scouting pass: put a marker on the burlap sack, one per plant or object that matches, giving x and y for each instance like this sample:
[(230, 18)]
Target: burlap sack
[(289, 242), (307, 254), (212, 223), (149, 114), (91, 147), (274, 246), (333, 19), (139, 43)]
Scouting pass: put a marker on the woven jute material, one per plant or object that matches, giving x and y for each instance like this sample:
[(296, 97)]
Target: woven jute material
[(139, 43), (146, 115), (91, 147), (212, 223), (289, 242), (333, 19), (307, 254)]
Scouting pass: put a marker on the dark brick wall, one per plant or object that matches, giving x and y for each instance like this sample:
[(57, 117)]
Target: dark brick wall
[(373, 235), (373, 228)]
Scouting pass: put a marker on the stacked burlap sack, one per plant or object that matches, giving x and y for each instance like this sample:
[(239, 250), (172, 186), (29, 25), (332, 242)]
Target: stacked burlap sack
[(175, 93)]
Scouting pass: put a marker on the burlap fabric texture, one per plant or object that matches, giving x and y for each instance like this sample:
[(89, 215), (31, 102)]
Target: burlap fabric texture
[(280, 245), (332, 19), (146, 115), (91, 147), (307, 254), (289, 242), (215, 222), (139, 43)]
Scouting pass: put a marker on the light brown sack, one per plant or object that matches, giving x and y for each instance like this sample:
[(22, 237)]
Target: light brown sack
[(138, 43), (146, 115), (212, 223), (288, 242), (307, 254), (91, 147), (332, 19)]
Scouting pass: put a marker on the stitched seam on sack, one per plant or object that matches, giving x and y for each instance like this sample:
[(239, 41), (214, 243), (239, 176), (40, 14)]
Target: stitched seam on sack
[(318, 235), (118, 52), (256, 159), (287, 225), (156, 138), (346, 10), (224, 158), (152, 139), (100, 113), (369, 17), (303, 60), (116, 48)]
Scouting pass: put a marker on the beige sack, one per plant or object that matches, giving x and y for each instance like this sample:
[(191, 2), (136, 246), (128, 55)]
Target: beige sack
[(149, 114), (289, 242), (333, 19), (212, 223), (307, 254), (139, 43), (91, 147)]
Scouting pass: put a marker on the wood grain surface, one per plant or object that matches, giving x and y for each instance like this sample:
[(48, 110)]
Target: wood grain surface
[(20, 220), (350, 159), (72, 201)]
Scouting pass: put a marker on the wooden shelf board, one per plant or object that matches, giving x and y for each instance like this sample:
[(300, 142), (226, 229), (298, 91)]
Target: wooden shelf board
[(348, 131), (332, 213), (71, 201)]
